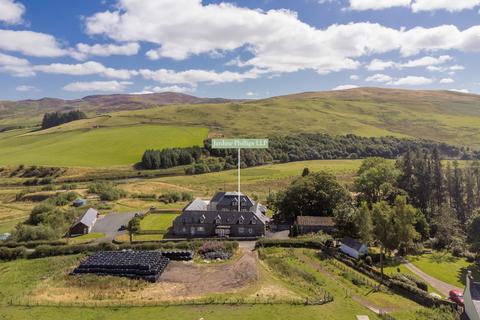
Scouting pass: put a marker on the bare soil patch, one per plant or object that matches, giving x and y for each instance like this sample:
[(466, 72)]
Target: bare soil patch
[(180, 281)]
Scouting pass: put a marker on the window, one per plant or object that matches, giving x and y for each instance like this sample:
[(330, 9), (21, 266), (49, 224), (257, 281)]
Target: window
[(250, 230), (241, 230), (202, 219), (254, 221), (184, 229), (200, 229), (241, 220)]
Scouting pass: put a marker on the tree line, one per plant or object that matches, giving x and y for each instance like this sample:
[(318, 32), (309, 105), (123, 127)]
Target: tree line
[(52, 119), (298, 147)]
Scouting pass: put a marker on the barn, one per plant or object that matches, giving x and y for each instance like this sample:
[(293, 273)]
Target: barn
[(353, 248), (313, 224), (85, 224)]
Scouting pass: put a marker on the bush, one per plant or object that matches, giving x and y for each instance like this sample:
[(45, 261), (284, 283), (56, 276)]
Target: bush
[(411, 280), (8, 254), (291, 243), (173, 197), (211, 246), (106, 191), (25, 232)]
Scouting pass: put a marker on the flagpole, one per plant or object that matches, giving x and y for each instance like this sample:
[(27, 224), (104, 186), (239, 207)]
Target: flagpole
[(238, 179)]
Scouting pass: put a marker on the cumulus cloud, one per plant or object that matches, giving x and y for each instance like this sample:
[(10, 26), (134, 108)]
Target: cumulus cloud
[(345, 87), (446, 80), (449, 5), (460, 90), (103, 86), (157, 89), (354, 77), (11, 12), (26, 88), (431, 63), (17, 67), (195, 76), (104, 50), (379, 77), (362, 5), (266, 35), (31, 43), (415, 5), (87, 68), (412, 81)]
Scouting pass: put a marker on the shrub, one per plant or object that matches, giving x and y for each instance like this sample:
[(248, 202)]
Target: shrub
[(368, 260), (8, 254), (212, 246), (106, 191), (25, 232)]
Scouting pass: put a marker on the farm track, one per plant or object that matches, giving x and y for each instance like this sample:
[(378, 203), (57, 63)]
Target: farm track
[(359, 299)]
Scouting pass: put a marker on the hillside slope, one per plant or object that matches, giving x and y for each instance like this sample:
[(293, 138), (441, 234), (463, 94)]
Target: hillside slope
[(442, 116), (28, 112)]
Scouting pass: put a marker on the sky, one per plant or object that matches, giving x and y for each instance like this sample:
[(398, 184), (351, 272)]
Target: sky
[(235, 49)]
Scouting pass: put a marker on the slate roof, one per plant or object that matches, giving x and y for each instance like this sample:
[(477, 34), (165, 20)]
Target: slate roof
[(89, 217), (315, 221), (197, 204), (198, 211), (352, 243)]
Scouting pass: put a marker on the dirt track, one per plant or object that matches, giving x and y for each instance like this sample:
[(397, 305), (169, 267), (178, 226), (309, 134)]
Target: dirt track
[(192, 280)]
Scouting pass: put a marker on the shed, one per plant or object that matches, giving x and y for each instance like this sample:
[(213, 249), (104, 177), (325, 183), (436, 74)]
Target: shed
[(79, 202), (85, 224), (313, 224), (353, 247)]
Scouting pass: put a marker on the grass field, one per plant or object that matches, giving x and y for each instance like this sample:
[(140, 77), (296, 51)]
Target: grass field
[(86, 238), (440, 116), (95, 147), (158, 221), (260, 180), (446, 267)]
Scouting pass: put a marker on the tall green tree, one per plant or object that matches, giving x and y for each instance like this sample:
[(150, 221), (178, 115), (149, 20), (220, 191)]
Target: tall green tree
[(438, 181), (364, 223), (317, 194), (458, 193), (133, 227), (376, 180), (345, 216)]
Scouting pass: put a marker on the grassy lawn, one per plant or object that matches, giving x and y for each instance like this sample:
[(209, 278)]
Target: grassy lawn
[(96, 147), (158, 221), (445, 267), (86, 238)]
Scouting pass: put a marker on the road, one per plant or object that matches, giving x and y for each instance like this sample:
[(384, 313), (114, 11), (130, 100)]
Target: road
[(442, 287), (110, 225)]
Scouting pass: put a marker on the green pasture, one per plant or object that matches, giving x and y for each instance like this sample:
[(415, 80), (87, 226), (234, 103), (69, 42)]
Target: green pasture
[(260, 180), (95, 147), (158, 221), (445, 267)]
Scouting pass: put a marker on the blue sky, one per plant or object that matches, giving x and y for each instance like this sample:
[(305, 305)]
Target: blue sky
[(241, 49)]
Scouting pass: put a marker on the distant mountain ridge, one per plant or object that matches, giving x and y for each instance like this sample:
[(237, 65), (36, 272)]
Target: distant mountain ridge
[(101, 103)]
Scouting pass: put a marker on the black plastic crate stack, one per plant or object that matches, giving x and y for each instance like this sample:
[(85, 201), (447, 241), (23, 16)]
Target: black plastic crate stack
[(178, 255), (146, 265)]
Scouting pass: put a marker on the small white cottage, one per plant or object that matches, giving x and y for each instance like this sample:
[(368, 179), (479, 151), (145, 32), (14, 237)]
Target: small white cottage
[(353, 248)]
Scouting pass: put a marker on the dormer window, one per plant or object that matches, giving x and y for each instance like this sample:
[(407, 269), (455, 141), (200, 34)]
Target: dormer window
[(202, 219), (218, 219), (254, 220), (241, 220)]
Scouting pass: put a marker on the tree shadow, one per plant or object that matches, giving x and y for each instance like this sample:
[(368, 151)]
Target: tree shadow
[(462, 273)]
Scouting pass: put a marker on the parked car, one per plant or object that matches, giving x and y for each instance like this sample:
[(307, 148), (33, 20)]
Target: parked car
[(456, 296)]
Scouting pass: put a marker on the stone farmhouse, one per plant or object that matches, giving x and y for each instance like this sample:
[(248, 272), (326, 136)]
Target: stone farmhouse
[(220, 217)]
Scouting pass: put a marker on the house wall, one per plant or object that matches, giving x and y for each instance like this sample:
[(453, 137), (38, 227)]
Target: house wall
[(193, 230), (79, 228), (314, 229), (469, 307)]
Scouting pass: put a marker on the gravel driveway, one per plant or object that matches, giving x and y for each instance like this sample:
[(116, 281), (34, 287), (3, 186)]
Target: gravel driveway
[(110, 225)]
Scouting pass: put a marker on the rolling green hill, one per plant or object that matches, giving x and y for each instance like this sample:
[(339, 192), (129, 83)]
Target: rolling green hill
[(97, 147), (120, 137)]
